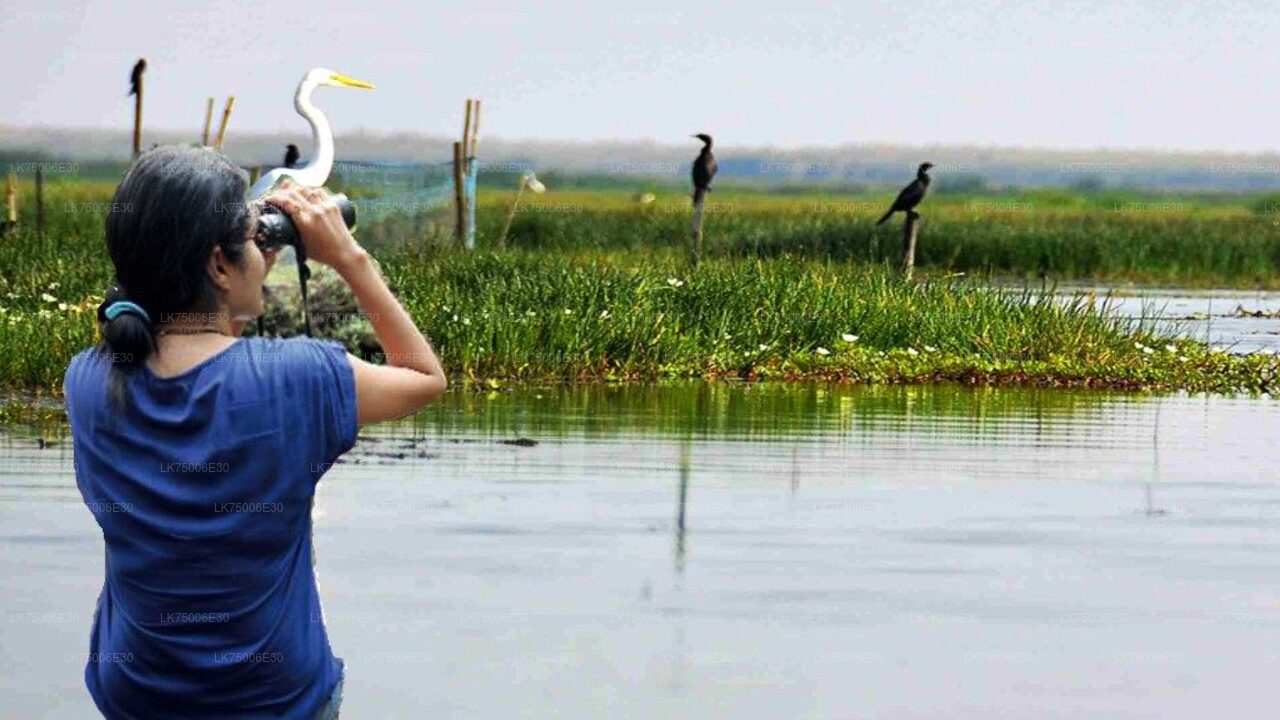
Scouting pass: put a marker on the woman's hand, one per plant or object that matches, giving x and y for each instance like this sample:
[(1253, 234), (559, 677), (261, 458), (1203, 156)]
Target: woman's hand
[(319, 222)]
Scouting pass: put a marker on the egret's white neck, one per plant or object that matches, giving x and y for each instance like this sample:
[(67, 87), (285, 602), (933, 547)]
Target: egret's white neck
[(321, 137)]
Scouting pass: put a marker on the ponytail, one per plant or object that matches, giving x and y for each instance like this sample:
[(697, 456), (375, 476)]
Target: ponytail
[(128, 339)]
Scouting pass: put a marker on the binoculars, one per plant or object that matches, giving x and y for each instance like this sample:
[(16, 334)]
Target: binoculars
[(276, 228)]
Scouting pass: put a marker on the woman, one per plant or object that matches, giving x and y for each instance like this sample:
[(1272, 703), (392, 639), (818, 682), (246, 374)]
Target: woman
[(198, 450)]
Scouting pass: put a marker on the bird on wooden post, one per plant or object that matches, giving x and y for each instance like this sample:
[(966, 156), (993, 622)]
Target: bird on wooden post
[(704, 169), (911, 195), (135, 89), (906, 202), (135, 77)]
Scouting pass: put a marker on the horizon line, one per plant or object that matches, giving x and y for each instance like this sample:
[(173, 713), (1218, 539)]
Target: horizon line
[(720, 143)]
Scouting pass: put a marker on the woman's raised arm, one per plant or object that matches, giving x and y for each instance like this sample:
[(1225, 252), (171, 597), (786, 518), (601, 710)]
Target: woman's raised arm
[(413, 376)]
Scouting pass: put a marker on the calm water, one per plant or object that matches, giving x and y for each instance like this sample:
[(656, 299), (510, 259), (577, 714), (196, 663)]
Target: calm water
[(1226, 318), (752, 552)]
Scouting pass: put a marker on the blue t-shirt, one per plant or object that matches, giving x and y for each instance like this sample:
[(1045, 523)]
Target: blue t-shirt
[(202, 484)]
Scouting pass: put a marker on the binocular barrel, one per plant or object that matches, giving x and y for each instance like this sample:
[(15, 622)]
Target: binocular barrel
[(276, 228)]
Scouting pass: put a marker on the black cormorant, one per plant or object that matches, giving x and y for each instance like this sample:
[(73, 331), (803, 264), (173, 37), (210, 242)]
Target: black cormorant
[(291, 156), (704, 168), (911, 195), (135, 77)]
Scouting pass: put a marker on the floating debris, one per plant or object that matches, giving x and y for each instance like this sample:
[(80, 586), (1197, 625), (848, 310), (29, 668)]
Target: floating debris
[(1241, 312)]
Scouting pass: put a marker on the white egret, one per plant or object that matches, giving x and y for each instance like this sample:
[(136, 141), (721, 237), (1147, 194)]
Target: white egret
[(315, 172), (527, 180)]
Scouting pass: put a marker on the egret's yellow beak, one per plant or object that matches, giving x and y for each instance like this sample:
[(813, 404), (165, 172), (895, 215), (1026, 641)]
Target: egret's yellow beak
[(350, 81)]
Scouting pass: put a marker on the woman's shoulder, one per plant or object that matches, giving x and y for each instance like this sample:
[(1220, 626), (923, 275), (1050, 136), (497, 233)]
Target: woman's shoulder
[(91, 358), (298, 349)]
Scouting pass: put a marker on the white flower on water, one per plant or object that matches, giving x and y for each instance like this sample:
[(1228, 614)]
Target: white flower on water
[(675, 282), (823, 351), (849, 337)]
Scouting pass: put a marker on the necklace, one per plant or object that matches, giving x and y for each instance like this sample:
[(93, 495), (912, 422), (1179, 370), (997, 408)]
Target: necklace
[(188, 331)]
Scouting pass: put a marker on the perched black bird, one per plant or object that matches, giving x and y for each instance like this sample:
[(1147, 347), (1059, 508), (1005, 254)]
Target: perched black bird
[(911, 195), (135, 77), (704, 168), (291, 156)]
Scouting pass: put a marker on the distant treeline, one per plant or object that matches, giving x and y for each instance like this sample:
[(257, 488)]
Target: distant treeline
[(771, 174)]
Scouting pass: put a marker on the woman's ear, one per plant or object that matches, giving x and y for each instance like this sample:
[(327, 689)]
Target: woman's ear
[(219, 268)]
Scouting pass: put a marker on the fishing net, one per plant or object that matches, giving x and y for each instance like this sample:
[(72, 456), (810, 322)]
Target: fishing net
[(400, 203)]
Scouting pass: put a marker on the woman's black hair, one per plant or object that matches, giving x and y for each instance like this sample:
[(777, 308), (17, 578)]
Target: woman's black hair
[(174, 205)]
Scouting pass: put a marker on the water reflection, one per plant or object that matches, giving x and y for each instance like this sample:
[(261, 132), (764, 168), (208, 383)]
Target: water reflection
[(752, 551)]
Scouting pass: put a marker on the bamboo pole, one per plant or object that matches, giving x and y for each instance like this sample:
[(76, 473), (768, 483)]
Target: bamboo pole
[(11, 200), (466, 131), (459, 230), (909, 232), (511, 215), (226, 115), (10, 203), (475, 130), (208, 121), (39, 202)]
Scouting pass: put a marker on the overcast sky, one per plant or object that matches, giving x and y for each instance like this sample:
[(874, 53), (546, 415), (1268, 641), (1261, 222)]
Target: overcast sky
[(1199, 76)]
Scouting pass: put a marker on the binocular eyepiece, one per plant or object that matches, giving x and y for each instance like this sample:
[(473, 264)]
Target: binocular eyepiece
[(276, 228)]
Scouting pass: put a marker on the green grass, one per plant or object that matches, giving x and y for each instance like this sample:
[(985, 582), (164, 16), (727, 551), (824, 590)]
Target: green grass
[(1209, 241), (596, 287)]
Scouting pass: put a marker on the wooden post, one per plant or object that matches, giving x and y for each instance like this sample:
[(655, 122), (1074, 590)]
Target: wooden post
[(254, 175), (699, 203), (226, 115), (11, 200), (459, 231), (208, 121), (39, 202), (909, 232)]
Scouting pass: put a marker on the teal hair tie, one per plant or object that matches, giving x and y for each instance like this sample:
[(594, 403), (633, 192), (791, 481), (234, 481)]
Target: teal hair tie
[(123, 306)]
